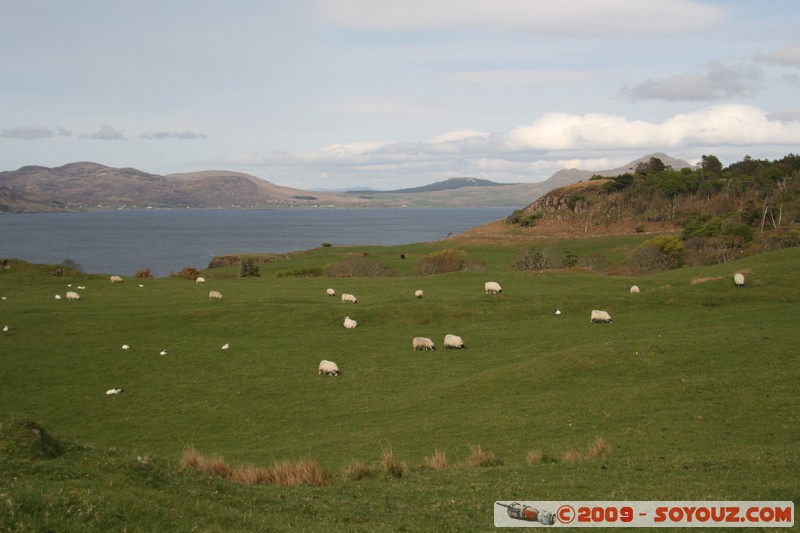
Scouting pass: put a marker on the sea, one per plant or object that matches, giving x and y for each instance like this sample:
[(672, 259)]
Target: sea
[(124, 242)]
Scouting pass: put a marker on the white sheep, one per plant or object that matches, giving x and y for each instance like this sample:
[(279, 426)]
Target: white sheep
[(329, 368), (635, 290), (5, 329), (58, 296), (200, 279), (600, 316), (126, 347), (226, 346), (738, 279), (349, 323), (453, 341), (115, 279), (330, 292), (349, 298), (422, 343), (492, 286), (558, 312), (72, 295), (214, 295), (162, 352), (419, 293), (111, 392)]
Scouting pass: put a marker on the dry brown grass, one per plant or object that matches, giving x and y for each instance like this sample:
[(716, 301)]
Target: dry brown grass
[(438, 461), (571, 455), (304, 472), (597, 448), (480, 458), (533, 457), (358, 470), (393, 466)]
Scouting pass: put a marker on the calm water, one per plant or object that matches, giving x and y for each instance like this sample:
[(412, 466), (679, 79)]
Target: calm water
[(124, 242)]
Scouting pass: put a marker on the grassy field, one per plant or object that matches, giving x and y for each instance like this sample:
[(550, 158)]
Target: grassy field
[(693, 388)]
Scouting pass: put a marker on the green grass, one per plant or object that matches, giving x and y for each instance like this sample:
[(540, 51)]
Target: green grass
[(693, 387)]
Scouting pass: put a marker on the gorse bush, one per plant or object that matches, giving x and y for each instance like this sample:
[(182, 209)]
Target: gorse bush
[(449, 260), (189, 273)]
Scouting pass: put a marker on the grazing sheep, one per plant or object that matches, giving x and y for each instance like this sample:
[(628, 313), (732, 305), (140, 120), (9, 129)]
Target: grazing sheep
[(558, 312), (634, 290), (5, 329), (738, 279), (453, 341), (214, 295), (200, 279), (163, 352), (492, 286), (116, 279), (422, 343), (329, 368), (419, 293), (349, 323), (126, 347), (600, 316), (226, 346), (111, 392), (330, 292), (72, 295), (349, 298), (58, 296)]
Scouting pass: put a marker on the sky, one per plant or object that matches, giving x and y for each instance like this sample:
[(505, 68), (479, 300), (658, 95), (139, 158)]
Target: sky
[(386, 94)]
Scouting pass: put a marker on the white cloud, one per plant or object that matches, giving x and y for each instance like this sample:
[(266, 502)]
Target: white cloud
[(592, 141), (608, 17), (106, 133), (161, 135), (29, 133)]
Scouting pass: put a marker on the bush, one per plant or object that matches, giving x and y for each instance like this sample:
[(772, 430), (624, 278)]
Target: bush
[(533, 258), (449, 260), (656, 255), (302, 272), (189, 273), (144, 273), (248, 269), (520, 219)]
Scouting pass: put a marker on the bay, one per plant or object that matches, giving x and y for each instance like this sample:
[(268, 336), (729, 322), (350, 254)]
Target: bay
[(166, 240)]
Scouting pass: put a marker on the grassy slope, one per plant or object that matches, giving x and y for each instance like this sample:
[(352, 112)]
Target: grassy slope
[(693, 386)]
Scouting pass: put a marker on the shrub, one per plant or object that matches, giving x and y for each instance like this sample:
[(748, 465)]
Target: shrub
[(519, 218), (449, 260), (655, 255), (144, 273), (248, 269), (533, 258), (326, 245), (189, 273), (302, 272)]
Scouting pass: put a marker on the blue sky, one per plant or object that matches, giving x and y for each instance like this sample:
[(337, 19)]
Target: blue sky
[(387, 94)]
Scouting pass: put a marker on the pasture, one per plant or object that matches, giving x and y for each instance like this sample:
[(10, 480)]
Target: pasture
[(693, 387)]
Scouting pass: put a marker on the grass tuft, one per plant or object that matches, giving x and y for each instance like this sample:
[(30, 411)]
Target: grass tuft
[(392, 466), (533, 457), (480, 458), (438, 461), (358, 470)]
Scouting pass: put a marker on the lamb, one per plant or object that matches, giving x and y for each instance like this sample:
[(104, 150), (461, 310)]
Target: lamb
[(72, 295), (600, 316), (349, 298), (419, 293), (330, 292), (422, 343), (349, 323), (329, 368), (738, 279), (200, 280), (115, 279), (635, 290), (453, 341), (111, 392), (492, 286), (214, 295)]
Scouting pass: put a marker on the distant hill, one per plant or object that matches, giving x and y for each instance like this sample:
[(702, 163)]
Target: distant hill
[(86, 185), (446, 185)]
